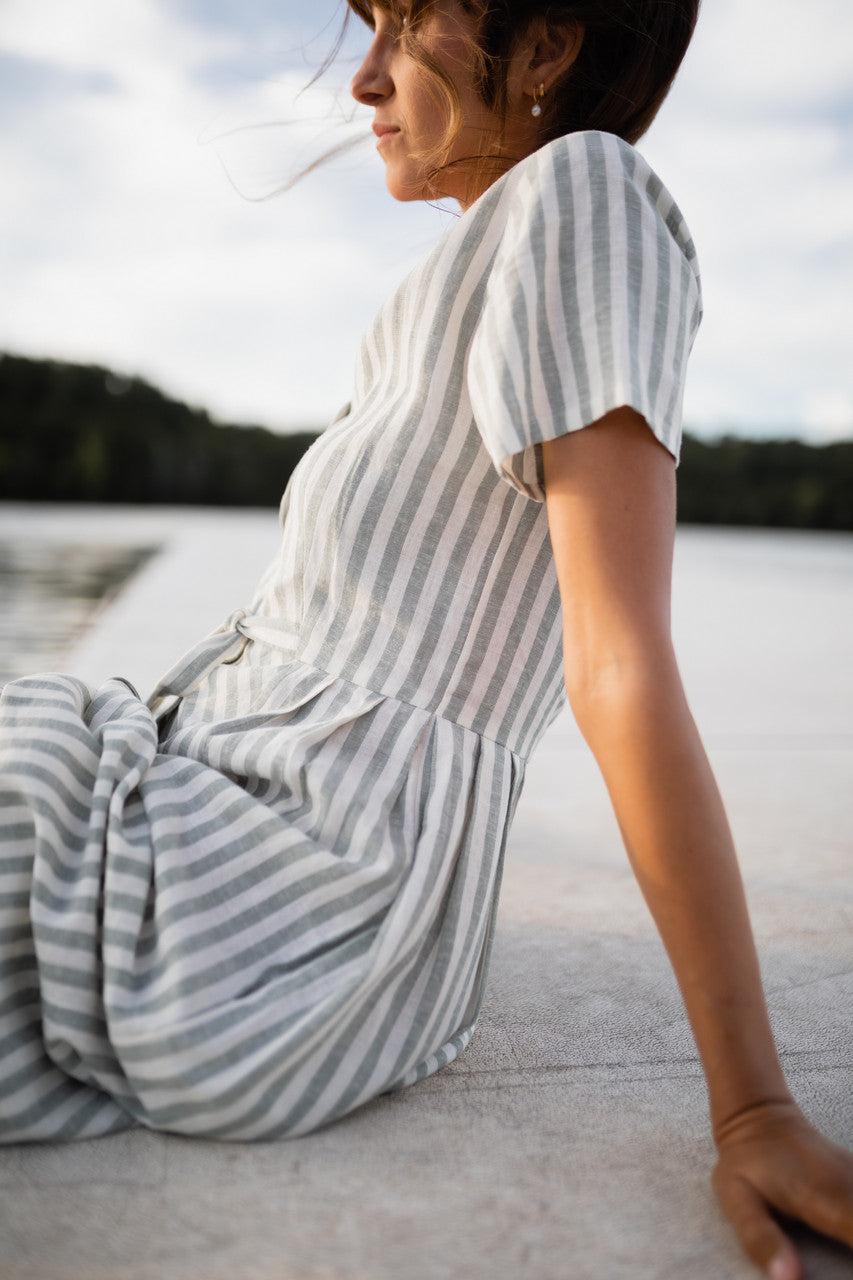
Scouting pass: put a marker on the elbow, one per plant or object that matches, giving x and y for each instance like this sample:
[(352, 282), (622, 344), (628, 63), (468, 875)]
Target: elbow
[(609, 690)]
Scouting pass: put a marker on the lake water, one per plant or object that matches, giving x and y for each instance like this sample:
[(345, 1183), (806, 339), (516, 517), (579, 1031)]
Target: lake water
[(70, 574), (51, 592)]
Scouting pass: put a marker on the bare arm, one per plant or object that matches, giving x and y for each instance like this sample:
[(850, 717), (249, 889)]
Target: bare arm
[(611, 509)]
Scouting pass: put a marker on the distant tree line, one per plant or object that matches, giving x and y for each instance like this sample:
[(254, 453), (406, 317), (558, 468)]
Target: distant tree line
[(774, 483), (80, 433)]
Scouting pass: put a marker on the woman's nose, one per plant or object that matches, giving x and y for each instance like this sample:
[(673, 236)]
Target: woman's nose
[(372, 83)]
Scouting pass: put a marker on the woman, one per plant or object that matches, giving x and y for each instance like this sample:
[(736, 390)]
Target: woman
[(271, 899)]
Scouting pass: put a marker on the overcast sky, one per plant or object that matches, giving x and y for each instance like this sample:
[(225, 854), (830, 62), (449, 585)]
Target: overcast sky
[(123, 241)]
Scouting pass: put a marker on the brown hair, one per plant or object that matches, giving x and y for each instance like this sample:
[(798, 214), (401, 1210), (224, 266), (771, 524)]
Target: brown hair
[(629, 55)]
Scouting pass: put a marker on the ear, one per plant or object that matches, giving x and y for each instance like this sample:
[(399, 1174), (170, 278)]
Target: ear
[(553, 49)]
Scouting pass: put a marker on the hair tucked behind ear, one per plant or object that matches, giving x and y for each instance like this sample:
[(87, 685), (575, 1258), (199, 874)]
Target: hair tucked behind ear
[(628, 59), (630, 53)]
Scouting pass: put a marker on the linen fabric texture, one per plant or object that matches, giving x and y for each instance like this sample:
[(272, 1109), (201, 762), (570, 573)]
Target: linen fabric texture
[(268, 895)]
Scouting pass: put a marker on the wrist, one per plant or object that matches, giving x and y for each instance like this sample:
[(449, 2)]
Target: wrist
[(771, 1111), (741, 1064)]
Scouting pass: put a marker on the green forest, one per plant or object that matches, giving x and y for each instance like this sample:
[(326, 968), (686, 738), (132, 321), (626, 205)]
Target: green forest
[(81, 433)]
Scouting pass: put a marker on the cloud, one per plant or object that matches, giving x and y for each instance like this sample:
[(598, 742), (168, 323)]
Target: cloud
[(126, 243), (768, 57), (755, 141)]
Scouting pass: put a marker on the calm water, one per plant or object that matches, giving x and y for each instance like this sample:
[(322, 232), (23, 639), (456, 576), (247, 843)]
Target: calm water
[(51, 592)]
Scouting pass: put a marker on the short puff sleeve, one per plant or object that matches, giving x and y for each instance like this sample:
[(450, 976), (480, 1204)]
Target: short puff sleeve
[(592, 303)]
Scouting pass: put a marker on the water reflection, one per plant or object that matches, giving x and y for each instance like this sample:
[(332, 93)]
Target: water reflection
[(51, 592)]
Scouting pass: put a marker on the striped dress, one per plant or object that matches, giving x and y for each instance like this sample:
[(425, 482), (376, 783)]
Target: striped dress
[(267, 896)]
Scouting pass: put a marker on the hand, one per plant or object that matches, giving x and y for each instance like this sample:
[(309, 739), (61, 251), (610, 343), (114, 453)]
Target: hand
[(770, 1158)]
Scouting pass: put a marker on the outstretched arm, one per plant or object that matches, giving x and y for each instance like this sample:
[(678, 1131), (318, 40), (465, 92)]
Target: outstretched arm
[(611, 509)]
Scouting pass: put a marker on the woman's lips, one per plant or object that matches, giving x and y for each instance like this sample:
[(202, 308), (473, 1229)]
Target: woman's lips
[(383, 133)]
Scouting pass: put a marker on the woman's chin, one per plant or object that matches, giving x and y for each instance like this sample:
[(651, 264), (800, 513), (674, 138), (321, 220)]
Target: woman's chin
[(405, 192)]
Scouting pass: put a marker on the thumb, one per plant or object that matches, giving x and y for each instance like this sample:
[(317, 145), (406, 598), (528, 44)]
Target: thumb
[(762, 1238)]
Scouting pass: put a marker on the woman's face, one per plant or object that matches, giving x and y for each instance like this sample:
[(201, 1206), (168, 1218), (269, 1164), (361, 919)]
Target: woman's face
[(409, 120)]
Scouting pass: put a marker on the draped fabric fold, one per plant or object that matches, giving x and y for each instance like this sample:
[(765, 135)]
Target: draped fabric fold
[(194, 955)]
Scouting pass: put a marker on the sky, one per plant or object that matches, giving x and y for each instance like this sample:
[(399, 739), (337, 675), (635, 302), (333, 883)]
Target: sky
[(142, 143)]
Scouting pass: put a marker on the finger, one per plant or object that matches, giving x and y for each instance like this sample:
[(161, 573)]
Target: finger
[(821, 1194), (785, 1265), (829, 1204), (762, 1238)]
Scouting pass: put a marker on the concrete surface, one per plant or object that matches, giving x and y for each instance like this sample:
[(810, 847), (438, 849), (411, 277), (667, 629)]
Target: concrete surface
[(571, 1140)]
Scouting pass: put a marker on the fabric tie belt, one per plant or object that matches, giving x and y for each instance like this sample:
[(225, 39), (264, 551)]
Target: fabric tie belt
[(224, 645)]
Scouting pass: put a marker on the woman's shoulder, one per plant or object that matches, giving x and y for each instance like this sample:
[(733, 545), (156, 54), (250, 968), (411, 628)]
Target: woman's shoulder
[(593, 179), (576, 159)]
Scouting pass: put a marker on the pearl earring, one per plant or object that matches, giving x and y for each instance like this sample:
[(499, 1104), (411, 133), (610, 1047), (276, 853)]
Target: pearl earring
[(538, 95)]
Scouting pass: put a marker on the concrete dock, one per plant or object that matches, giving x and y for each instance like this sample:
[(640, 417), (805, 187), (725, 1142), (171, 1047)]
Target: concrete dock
[(571, 1141)]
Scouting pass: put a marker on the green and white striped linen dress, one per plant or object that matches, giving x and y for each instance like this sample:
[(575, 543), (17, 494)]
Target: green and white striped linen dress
[(270, 900)]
